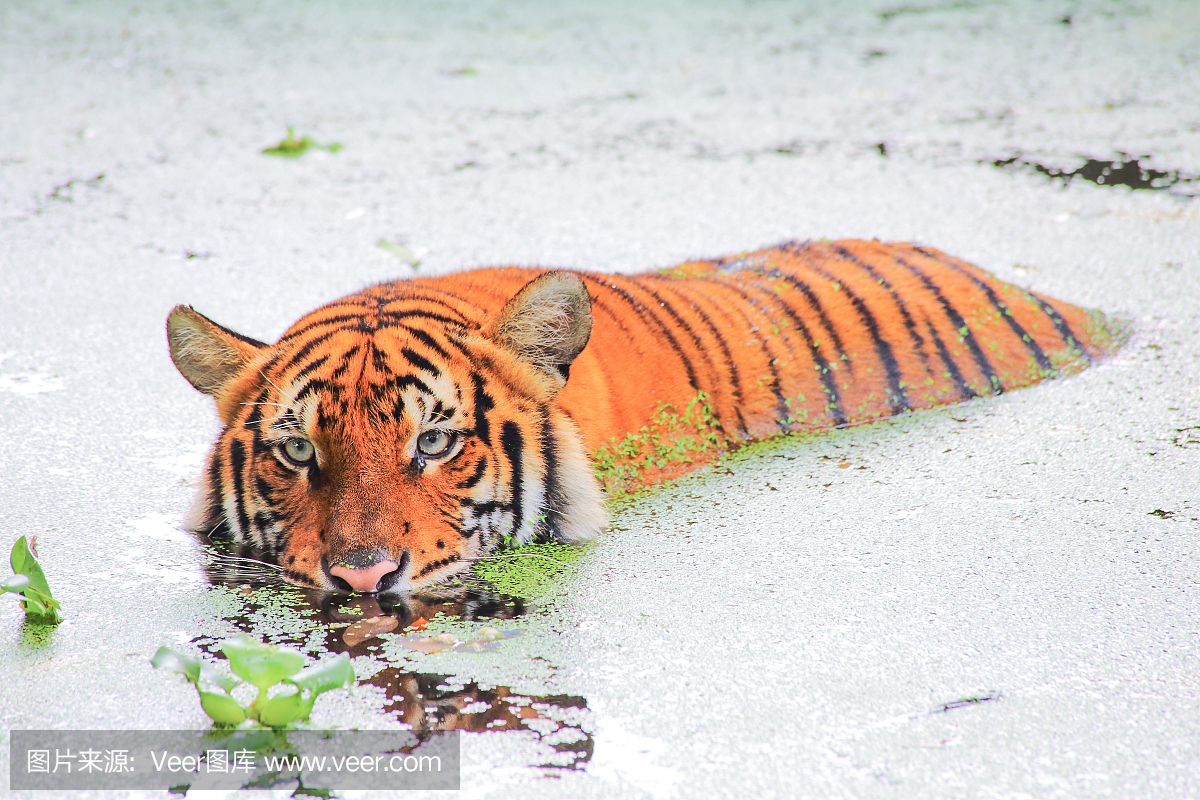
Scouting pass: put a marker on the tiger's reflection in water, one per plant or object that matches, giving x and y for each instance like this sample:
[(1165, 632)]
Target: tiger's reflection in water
[(426, 702)]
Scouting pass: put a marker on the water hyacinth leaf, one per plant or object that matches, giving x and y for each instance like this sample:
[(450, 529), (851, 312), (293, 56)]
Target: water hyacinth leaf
[(285, 709), (39, 603), (320, 678), (173, 661), (15, 584), (260, 664), (221, 708), (35, 608), (401, 251), (215, 677)]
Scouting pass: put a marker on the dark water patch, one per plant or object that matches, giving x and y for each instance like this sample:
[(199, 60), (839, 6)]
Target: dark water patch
[(1125, 170), (426, 702)]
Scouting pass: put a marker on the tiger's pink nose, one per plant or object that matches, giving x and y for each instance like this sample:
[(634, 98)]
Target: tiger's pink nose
[(364, 579)]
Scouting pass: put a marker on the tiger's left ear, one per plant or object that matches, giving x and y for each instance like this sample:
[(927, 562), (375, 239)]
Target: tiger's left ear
[(547, 323)]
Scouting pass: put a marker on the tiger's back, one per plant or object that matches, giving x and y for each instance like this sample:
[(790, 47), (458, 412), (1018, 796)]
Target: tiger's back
[(796, 337)]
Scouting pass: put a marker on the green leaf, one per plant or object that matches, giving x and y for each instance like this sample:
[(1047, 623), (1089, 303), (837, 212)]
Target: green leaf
[(221, 708), (173, 661), (320, 678), (293, 146), (215, 677), (260, 664), (39, 604), (401, 251), (35, 608), (285, 709), (15, 584)]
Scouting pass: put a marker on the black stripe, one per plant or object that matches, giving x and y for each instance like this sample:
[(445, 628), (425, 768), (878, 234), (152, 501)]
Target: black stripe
[(476, 475), (428, 341), (315, 385), (310, 367), (514, 447), (643, 311), (344, 365), (964, 388), (216, 492), (435, 565), (995, 385), (1064, 328), (262, 521), (909, 324), (265, 490), (734, 372), (420, 362), (781, 404), (485, 507), (483, 404), (320, 323), (237, 462), (302, 353), (256, 407), (402, 382), (420, 300), (898, 398), (392, 316), (824, 374), (299, 577), (800, 285), (1032, 346)]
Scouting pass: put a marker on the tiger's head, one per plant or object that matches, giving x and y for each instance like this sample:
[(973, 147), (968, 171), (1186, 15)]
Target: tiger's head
[(388, 439)]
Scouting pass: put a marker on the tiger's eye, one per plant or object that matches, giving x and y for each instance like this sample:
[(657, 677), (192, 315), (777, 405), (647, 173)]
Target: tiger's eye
[(434, 443), (299, 451)]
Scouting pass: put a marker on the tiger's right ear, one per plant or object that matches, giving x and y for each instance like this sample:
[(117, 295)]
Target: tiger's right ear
[(206, 353)]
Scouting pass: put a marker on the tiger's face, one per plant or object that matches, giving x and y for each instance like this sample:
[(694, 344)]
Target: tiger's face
[(378, 447)]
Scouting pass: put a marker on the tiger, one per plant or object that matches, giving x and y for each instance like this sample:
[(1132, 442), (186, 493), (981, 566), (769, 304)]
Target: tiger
[(389, 439)]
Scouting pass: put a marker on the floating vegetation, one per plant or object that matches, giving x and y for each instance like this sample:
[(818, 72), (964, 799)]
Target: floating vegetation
[(65, 192), (1187, 437), (29, 582), (265, 667), (293, 146), (966, 702), (401, 251), (889, 14), (529, 570), (666, 446), (1126, 170)]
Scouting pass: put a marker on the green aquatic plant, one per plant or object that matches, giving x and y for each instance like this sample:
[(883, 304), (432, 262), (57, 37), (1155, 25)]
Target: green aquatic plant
[(29, 582), (529, 570), (401, 251), (670, 441), (293, 146), (265, 667)]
